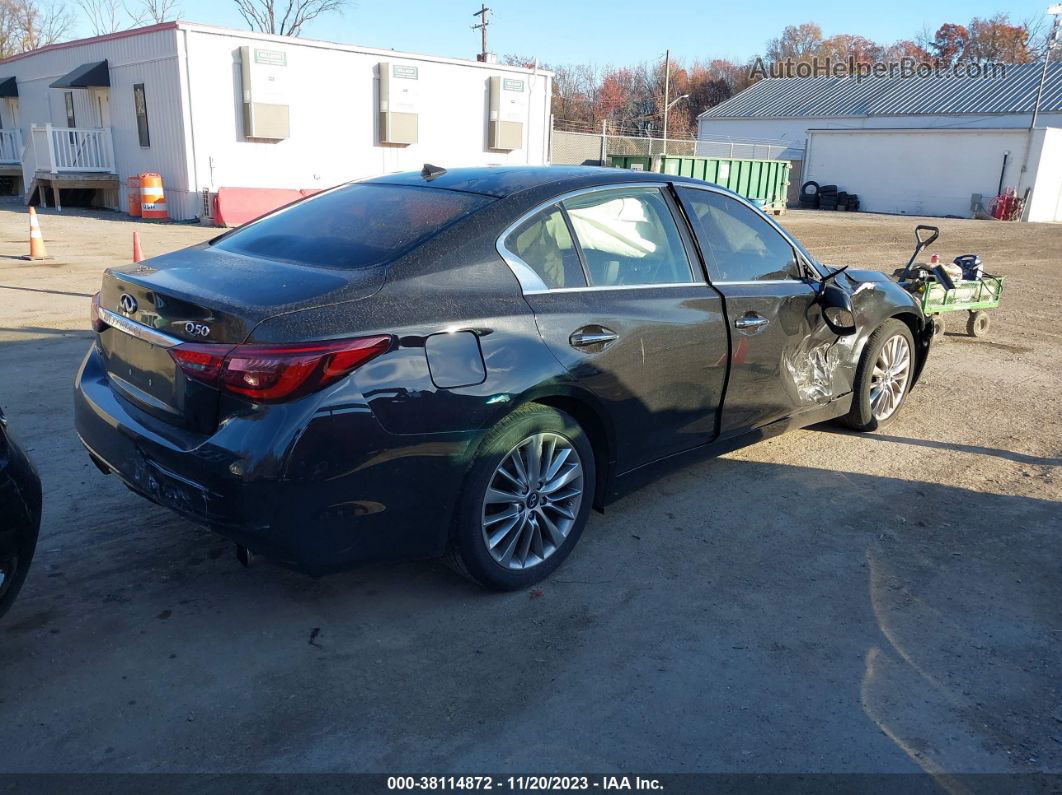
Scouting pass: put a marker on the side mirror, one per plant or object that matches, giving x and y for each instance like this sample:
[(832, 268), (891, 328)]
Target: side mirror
[(837, 309)]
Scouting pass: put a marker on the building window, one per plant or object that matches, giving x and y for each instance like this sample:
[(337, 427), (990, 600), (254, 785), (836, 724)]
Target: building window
[(140, 104), (69, 98)]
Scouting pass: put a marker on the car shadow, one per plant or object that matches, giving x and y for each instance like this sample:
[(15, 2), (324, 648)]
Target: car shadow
[(734, 615), (935, 444)]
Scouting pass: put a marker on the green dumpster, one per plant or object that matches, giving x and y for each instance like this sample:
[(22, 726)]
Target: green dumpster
[(766, 180)]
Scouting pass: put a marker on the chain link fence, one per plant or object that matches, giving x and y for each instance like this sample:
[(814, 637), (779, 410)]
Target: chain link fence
[(594, 149)]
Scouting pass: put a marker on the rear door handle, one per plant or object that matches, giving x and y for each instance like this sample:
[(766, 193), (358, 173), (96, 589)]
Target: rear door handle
[(597, 337), (751, 321)]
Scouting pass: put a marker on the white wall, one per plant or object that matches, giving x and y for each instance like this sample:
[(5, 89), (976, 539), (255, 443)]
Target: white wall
[(1045, 204), (192, 81), (925, 172), (795, 130), (333, 114), (148, 57)]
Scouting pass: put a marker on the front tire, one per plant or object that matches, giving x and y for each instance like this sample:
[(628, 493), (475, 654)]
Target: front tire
[(526, 499), (883, 377), (977, 324)]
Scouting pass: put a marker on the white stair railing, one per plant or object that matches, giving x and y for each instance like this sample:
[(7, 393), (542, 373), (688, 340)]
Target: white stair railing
[(11, 146)]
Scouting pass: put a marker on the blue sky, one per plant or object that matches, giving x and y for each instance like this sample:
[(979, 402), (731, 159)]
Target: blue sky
[(617, 31)]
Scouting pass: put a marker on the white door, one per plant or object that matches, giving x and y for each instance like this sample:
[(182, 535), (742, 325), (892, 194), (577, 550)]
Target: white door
[(102, 103)]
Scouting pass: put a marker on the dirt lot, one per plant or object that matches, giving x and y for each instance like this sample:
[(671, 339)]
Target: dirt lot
[(819, 602)]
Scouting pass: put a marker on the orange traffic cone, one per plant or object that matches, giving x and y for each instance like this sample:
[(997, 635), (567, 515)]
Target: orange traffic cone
[(137, 253), (37, 250)]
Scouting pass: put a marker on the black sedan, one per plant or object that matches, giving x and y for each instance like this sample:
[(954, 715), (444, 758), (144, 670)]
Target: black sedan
[(464, 363), (20, 516)]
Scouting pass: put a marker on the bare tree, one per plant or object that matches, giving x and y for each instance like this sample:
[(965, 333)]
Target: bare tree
[(161, 10), (285, 17), (108, 16), (25, 25)]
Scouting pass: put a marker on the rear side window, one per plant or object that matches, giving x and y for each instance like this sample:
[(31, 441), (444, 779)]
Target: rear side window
[(357, 226), (629, 237), (545, 245)]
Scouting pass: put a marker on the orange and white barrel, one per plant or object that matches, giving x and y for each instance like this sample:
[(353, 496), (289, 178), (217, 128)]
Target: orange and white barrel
[(132, 186), (152, 198)]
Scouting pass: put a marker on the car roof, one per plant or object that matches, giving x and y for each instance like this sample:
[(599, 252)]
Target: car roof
[(504, 181)]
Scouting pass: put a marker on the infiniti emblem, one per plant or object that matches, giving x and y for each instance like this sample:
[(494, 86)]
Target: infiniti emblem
[(128, 303)]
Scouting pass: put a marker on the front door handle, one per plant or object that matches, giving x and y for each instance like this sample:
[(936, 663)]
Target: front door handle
[(592, 337), (750, 321)]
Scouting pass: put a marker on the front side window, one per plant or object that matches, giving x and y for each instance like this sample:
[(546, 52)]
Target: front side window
[(356, 226), (628, 236), (742, 244), (544, 244), (68, 98), (140, 106)]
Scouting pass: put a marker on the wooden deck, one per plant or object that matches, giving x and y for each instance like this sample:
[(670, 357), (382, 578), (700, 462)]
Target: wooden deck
[(106, 184)]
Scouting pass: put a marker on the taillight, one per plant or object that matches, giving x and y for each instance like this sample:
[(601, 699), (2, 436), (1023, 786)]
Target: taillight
[(201, 362), (272, 373), (94, 316)]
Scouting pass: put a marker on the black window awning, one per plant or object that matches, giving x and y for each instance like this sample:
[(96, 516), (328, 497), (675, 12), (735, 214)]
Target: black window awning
[(88, 75), (8, 87)]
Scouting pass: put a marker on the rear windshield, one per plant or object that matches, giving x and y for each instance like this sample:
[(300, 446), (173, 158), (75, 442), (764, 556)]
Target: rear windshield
[(357, 226)]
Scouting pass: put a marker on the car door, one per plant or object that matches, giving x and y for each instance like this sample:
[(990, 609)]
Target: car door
[(618, 300), (783, 358)]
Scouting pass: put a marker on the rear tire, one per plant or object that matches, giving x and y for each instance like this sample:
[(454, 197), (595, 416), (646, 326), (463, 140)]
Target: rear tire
[(883, 377), (507, 544)]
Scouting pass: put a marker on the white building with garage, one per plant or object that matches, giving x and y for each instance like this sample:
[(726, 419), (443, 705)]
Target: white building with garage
[(211, 108), (915, 145)]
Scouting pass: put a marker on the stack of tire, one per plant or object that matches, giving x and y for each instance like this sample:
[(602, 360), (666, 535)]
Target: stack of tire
[(826, 197), (809, 195)]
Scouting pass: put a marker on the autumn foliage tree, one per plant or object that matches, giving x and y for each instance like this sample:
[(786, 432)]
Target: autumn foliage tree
[(630, 98)]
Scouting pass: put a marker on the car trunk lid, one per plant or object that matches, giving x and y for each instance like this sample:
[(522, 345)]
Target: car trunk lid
[(202, 295)]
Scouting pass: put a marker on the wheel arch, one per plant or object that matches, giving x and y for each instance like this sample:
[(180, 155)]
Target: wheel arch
[(591, 417), (922, 332)]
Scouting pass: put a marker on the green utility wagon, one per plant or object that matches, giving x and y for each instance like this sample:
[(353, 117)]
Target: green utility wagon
[(973, 291)]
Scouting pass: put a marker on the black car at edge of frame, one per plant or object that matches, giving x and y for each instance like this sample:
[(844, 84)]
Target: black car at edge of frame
[(20, 515), (465, 362)]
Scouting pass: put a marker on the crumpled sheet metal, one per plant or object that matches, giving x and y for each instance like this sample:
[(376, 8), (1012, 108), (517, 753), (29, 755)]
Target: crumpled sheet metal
[(811, 368)]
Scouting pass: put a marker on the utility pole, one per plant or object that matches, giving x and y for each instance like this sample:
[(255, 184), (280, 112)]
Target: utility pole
[(667, 91), (1052, 40), (483, 13)]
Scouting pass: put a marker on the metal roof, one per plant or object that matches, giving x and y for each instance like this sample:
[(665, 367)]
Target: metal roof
[(789, 97)]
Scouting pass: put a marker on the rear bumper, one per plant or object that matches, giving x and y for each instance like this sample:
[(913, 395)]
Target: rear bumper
[(314, 487)]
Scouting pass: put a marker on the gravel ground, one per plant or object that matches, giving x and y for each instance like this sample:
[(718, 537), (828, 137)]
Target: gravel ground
[(820, 602)]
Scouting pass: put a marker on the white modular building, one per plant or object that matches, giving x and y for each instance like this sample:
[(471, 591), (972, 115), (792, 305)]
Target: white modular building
[(921, 145), (209, 108)]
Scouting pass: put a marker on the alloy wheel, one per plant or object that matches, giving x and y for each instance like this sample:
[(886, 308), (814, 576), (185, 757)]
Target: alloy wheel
[(532, 501), (888, 382)]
